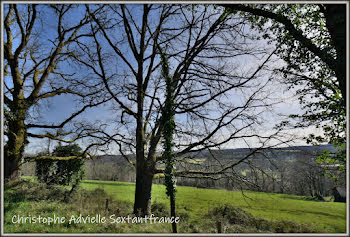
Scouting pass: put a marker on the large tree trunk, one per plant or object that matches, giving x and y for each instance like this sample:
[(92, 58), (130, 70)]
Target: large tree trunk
[(144, 167), (14, 148), (143, 192), (11, 168)]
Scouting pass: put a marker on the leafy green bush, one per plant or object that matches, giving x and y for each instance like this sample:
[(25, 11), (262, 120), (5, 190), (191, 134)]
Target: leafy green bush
[(57, 170)]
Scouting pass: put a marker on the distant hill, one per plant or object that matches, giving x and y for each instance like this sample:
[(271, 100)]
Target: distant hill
[(231, 154)]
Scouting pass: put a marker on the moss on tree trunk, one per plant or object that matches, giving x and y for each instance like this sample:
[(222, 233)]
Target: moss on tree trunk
[(14, 149)]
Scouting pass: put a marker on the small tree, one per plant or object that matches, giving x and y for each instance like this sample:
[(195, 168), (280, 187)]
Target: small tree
[(65, 167)]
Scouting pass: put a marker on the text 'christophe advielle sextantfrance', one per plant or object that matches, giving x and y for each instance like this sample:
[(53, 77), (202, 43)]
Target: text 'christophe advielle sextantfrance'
[(93, 219)]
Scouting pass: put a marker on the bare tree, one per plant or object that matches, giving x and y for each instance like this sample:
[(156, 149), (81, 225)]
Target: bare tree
[(216, 98), (36, 68)]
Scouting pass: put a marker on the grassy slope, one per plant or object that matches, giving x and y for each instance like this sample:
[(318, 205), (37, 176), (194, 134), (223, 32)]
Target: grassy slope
[(191, 202), (329, 216)]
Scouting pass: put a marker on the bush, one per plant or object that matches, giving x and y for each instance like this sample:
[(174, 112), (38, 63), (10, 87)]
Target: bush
[(160, 209), (236, 220), (32, 191), (232, 214), (55, 170)]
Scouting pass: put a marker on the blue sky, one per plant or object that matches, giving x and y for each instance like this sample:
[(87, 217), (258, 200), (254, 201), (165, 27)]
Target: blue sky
[(60, 107)]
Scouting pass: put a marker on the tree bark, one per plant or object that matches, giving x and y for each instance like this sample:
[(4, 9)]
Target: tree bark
[(143, 192), (14, 148), (11, 168), (173, 213), (17, 139)]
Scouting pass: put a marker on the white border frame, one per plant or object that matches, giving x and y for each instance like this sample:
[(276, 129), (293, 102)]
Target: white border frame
[(164, 1)]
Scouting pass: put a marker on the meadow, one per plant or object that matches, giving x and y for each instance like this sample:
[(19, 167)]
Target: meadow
[(199, 210)]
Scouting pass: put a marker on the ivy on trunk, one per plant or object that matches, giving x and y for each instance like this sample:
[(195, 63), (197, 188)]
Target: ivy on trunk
[(168, 131)]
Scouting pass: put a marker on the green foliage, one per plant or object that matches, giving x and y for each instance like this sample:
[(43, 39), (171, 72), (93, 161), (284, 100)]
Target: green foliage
[(63, 172), (168, 132), (69, 150), (334, 162), (316, 77), (168, 128)]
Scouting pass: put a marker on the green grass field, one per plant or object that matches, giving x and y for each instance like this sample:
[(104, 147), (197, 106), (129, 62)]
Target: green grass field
[(193, 206)]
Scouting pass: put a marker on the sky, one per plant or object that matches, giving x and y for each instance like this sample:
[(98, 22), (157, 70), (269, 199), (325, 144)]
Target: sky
[(60, 107)]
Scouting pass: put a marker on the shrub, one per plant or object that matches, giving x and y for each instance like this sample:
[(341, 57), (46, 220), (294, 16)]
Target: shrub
[(55, 170), (232, 214), (160, 209), (236, 220), (32, 191)]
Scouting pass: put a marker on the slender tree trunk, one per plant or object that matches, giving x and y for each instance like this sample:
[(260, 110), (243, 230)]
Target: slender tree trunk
[(173, 213)]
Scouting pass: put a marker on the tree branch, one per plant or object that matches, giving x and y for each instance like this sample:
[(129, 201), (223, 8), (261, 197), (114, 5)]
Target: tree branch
[(69, 118), (296, 33)]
